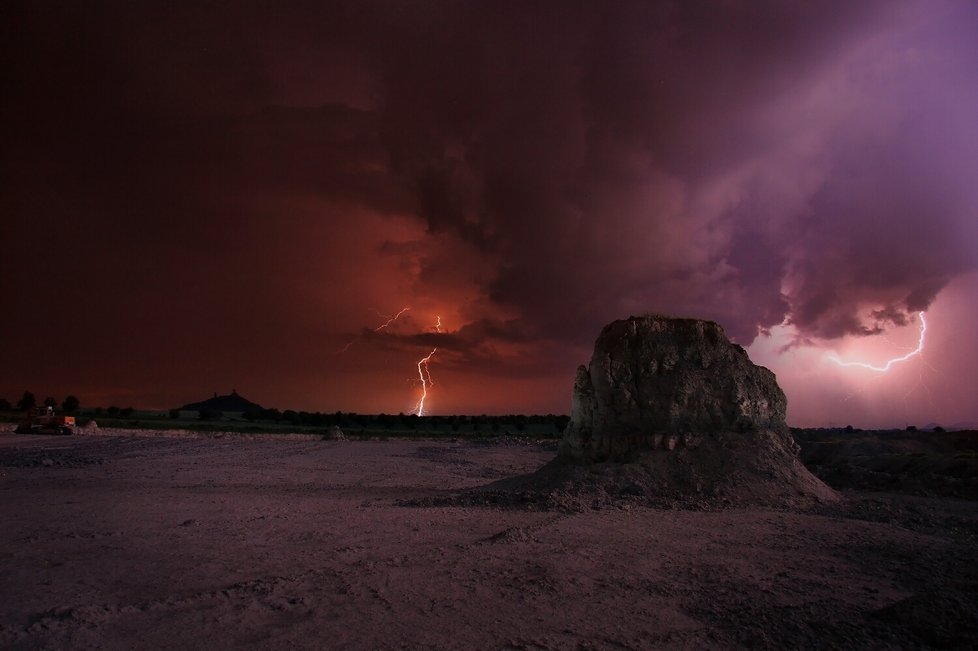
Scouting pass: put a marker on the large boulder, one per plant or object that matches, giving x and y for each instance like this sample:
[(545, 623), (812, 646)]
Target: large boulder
[(688, 413)]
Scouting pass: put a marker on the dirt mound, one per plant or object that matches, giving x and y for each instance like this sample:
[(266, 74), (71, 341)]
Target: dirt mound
[(700, 481)]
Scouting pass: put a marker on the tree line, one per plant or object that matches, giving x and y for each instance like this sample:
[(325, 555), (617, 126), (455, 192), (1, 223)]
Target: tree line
[(343, 420), (29, 401), (517, 422)]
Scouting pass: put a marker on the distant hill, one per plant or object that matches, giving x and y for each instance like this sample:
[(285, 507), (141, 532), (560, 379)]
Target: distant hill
[(230, 402), (963, 425), (956, 427)]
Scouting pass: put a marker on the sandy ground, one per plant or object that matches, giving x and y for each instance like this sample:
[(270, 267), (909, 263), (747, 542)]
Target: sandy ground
[(122, 542)]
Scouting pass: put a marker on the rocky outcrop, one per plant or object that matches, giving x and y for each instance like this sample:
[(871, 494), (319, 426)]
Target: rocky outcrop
[(688, 412), (658, 383)]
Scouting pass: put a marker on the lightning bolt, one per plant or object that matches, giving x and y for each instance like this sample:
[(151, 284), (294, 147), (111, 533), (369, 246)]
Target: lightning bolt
[(425, 383), (896, 360), (391, 318), (424, 371)]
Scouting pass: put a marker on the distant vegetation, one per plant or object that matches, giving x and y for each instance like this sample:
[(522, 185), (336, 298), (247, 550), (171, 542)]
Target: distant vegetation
[(280, 421), (905, 461)]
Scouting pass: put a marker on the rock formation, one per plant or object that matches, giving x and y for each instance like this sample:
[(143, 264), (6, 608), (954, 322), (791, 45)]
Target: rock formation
[(688, 413)]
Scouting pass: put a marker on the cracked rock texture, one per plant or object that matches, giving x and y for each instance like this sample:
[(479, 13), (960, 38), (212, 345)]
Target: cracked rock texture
[(677, 397)]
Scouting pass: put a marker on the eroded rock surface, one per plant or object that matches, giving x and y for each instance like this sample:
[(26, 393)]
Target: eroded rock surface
[(691, 412), (658, 383)]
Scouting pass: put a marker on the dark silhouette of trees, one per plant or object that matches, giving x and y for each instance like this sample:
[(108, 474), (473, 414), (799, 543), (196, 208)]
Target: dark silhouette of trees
[(50, 402), (291, 417), (447, 425), (27, 402)]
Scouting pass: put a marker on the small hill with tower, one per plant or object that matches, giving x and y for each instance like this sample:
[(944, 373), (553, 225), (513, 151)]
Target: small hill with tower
[(232, 402)]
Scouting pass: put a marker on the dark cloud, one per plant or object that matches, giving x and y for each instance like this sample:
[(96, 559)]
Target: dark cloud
[(539, 169), (749, 163)]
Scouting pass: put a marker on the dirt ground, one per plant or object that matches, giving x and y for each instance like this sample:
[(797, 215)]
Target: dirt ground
[(119, 541)]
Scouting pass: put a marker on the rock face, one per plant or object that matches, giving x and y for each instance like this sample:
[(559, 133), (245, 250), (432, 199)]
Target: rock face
[(657, 383), (676, 397)]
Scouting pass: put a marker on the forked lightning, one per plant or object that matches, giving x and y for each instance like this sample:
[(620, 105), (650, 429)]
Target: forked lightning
[(896, 360)]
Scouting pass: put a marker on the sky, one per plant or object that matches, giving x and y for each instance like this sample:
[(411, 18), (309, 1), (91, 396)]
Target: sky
[(200, 197)]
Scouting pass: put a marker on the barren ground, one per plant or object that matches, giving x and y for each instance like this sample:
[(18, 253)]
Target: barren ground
[(122, 542)]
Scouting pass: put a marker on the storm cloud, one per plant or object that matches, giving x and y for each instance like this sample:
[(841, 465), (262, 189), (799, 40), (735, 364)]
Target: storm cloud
[(273, 171)]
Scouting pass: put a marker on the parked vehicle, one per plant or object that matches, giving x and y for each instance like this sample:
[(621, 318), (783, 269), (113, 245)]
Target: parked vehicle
[(43, 420)]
